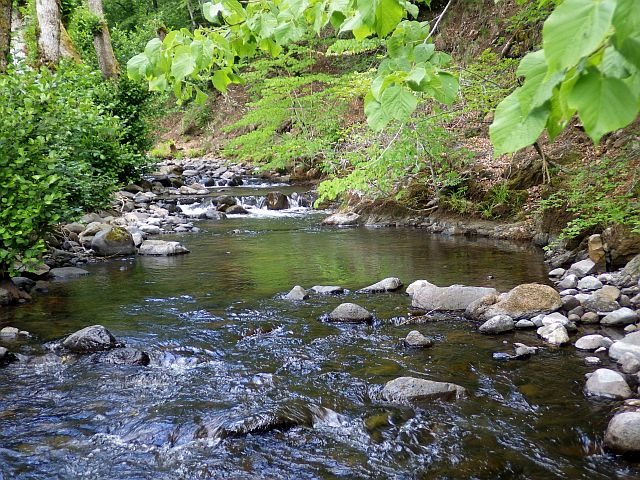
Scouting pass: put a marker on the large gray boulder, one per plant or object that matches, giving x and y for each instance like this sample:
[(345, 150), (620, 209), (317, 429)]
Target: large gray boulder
[(277, 201), (342, 219), (630, 274), (297, 293), (582, 268), (390, 284), (90, 339), (327, 289), (497, 324), (161, 248), (126, 356), (593, 342), (629, 344), (66, 273), (623, 433), (455, 297), (600, 301), (620, 317), (350, 313), (523, 301), (113, 241), (607, 383), (410, 389)]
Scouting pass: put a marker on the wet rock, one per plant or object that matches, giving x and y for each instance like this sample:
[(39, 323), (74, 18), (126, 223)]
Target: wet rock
[(555, 317), (524, 301), (114, 241), (351, 313), (607, 383), (23, 283), (497, 324), (161, 248), (342, 219), (415, 339), (454, 297), (297, 293), (592, 361), (622, 316), (555, 334), (521, 324), (623, 433), (9, 332), (582, 268), (277, 201), (213, 214), (390, 284), (327, 289), (235, 210), (568, 282), (523, 351), (6, 298), (629, 344), (600, 302), (593, 342), (589, 283), (502, 356), (410, 389), (65, 273), (90, 339), (126, 356)]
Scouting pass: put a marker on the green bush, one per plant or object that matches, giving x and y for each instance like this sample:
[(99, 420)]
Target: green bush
[(62, 151)]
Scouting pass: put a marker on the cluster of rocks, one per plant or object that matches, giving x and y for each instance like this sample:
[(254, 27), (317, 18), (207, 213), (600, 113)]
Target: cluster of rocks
[(196, 174)]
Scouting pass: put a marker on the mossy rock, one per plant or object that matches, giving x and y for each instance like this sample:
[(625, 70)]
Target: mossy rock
[(113, 242)]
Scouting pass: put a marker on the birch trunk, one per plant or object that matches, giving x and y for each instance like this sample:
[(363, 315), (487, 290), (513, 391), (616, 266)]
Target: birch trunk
[(102, 43), (49, 30)]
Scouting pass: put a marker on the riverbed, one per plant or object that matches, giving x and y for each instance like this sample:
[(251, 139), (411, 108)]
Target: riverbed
[(227, 350)]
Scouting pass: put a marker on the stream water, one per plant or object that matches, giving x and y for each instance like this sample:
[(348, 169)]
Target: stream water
[(229, 355)]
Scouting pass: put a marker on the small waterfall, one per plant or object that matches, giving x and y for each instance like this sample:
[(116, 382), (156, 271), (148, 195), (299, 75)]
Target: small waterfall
[(296, 204)]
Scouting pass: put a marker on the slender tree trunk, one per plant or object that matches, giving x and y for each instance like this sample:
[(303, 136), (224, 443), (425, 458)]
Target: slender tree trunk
[(5, 33), (194, 24), (49, 37), (102, 43)]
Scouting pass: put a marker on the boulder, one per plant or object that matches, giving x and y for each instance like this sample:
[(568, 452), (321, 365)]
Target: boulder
[(590, 318), (497, 324), (150, 229), (297, 293), (415, 339), (113, 241), (622, 244), (90, 339), (65, 273), (600, 302), (525, 324), (161, 248), (413, 286), (455, 297), (9, 332), (351, 313), (327, 289), (524, 301), (390, 284), (555, 334), (596, 251), (236, 210), (622, 316), (568, 282), (593, 342), (607, 383), (630, 274), (555, 317), (629, 363), (277, 201), (342, 219), (623, 433), (410, 389), (582, 268), (126, 356), (629, 344), (589, 283), (557, 272), (610, 292)]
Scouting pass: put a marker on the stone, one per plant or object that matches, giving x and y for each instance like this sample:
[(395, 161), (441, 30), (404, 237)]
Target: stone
[(611, 292), (90, 339), (327, 289), (574, 318), (161, 248), (236, 210), (592, 361), (568, 282), (569, 292), (66, 273), (607, 383), (625, 301), (410, 389), (635, 300), (525, 301), (126, 356), (555, 317), (593, 342), (555, 334), (411, 289), (114, 241), (589, 283), (390, 284), (497, 324), (629, 363), (525, 324), (150, 229), (524, 351), (622, 244), (351, 313), (9, 332), (74, 227), (537, 320), (6, 297), (557, 272), (415, 339), (297, 293), (569, 302), (630, 274), (596, 251), (621, 316), (3, 353), (277, 201), (23, 283), (583, 268), (454, 297), (630, 328), (600, 302), (579, 311), (590, 318), (630, 343), (623, 433), (342, 219)]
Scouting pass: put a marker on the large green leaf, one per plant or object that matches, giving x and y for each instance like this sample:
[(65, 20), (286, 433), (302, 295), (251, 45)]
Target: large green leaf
[(137, 66), (513, 129), (388, 14), (376, 117), (574, 30), (398, 103), (446, 91), (183, 62), (604, 104)]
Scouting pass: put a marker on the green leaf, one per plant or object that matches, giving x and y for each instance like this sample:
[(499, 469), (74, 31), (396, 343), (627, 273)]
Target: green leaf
[(512, 129), (423, 52), (574, 30), (388, 14), (183, 62), (220, 80), (604, 104), (447, 89), (376, 118), (137, 66), (211, 10), (398, 102)]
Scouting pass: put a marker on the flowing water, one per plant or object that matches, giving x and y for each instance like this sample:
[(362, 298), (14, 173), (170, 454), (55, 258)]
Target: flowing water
[(243, 384)]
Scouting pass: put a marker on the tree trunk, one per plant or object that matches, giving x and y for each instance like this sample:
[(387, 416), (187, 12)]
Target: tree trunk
[(5, 33), (102, 43), (49, 25)]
